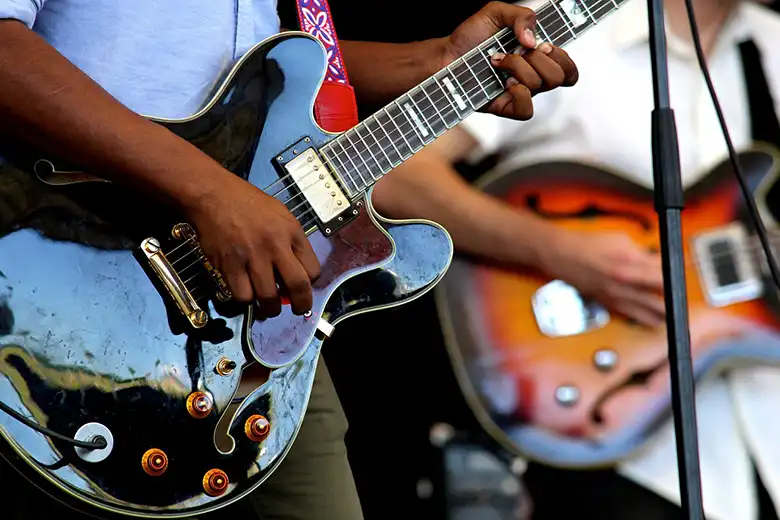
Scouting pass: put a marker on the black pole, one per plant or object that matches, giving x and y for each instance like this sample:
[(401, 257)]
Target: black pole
[(669, 204)]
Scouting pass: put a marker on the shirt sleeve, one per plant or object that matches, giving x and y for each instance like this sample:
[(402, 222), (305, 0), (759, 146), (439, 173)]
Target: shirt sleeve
[(23, 10)]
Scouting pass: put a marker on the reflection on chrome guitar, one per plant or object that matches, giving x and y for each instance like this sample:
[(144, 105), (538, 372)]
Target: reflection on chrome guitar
[(558, 378), (116, 331)]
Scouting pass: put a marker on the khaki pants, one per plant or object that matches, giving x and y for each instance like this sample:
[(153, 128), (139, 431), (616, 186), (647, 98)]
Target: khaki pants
[(313, 483)]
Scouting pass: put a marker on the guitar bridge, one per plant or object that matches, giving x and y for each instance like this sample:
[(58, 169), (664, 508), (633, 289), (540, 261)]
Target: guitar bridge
[(171, 278), (152, 249), (186, 233)]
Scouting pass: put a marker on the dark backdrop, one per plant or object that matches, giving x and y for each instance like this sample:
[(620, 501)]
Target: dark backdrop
[(390, 367)]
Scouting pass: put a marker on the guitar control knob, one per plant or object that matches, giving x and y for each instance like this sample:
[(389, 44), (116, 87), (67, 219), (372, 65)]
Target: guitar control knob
[(215, 482), (199, 405), (257, 428), (567, 395), (154, 462), (605, 359)]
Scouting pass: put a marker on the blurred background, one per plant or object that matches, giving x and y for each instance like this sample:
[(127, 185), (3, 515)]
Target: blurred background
[(415, 447)]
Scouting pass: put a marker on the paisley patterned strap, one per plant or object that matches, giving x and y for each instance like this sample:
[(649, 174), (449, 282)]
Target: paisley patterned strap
[(314, 18)]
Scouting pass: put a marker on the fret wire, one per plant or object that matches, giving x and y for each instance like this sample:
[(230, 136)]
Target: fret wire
[(448, 98), (560, 13), (493, 70), (382, 148), (400, 128), (547, 12), (445, 95), (370, 153), (400, 132), (360, 156), (545, 33), (422, 115), (344, 167), (422, 88), (349, 158), (390, 140), (411, 123), (466, 61), (394, 122), (584, 5), (598, 12), (503, 49), (458, 84)]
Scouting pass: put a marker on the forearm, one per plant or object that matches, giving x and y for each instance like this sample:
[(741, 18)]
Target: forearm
[(48, 103), (380, 72), (427, 187)]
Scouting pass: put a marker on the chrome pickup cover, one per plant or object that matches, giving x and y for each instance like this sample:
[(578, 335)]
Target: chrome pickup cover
[(317, 185)]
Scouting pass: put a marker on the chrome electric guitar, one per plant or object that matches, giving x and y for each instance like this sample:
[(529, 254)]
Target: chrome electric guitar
[(116, 332)]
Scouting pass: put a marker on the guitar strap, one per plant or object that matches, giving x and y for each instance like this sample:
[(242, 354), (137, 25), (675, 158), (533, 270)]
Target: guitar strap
[(335, 107), (764, 124)]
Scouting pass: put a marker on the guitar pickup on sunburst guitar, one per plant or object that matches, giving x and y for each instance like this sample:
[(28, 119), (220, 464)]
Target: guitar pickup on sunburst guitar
[(324, 193)]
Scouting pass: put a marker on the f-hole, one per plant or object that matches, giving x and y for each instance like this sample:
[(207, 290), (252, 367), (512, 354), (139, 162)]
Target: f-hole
[(252, 376)]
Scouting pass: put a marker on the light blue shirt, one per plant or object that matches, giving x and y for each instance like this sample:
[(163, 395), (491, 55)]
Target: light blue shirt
[(158, 57)]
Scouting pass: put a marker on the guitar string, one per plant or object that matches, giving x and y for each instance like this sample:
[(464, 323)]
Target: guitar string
[(716, 260), (355, 172), (291, 199), (350, 170), (281, 179), (392, 119), (545, 16), (597, 8), (406, 124), (426, 113), (431, 111)]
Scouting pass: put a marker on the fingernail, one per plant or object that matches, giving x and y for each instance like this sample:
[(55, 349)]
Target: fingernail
[(530, 38), (511, 82), (545, 47), (497, 57)]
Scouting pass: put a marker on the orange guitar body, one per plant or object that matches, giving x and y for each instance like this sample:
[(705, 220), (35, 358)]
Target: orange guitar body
[(561, 380)]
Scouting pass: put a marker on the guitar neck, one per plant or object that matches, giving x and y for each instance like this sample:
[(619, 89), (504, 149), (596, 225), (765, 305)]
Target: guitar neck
[(364, 154)]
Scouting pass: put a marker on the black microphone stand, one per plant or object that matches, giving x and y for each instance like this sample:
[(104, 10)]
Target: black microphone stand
[(669, 204)]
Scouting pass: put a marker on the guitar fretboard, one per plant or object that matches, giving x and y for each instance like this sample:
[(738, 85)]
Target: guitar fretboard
[(365, 153)]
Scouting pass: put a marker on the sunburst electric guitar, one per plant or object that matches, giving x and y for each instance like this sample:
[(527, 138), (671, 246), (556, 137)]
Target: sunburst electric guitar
[(560, 379)]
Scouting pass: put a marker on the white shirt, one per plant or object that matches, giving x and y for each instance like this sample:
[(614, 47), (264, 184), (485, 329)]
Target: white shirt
[(605, 119)]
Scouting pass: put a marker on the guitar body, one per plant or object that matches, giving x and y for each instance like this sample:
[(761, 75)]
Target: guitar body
[(93, 343), (562, 380)]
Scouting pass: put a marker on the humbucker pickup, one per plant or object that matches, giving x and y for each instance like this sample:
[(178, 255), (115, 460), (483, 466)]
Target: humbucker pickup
[(319, 186), (315, 181)]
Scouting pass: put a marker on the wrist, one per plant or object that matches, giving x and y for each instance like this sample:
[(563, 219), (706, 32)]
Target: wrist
[(442, 52), (552, 242), (425, 58)]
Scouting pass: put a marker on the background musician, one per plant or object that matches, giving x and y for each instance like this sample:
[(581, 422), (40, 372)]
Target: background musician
[(607, 122)]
